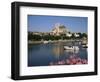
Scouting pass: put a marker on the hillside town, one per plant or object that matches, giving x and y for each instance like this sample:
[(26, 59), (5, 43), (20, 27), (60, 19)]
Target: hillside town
[(59, 32)]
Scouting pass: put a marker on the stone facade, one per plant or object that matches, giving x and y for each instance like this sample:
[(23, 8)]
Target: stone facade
[(59, 29)]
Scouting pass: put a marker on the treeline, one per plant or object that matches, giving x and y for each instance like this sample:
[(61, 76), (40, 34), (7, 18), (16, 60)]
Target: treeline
[(34, 37)]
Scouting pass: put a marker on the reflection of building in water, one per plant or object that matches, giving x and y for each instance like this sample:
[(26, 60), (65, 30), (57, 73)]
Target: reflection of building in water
[(58, 50)]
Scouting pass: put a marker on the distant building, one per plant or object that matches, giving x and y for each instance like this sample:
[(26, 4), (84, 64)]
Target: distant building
[(68, 34), (76, 35), (59, 29), (40, 33), (35, 33)]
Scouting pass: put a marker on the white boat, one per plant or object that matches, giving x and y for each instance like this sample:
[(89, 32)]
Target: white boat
[(71, 47), (85, 46), (45, 42)]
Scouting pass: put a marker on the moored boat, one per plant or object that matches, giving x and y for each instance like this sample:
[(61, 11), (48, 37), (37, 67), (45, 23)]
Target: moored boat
[(71, 47), (45, 42), (85, 46)]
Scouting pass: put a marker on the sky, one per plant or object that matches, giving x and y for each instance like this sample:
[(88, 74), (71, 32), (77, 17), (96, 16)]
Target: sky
[(44, 23)]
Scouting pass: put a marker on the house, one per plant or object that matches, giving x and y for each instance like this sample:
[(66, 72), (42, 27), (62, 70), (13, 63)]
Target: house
[(69, 34), (76, 34)]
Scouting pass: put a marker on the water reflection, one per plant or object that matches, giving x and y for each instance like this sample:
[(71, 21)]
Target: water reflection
[(72, 51), (54, 54), (58, 50)]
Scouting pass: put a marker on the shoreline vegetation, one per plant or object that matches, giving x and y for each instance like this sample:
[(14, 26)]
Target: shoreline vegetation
[(58, 34), (40, 38)]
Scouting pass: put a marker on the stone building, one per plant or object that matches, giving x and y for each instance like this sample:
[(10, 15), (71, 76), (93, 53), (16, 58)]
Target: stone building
[(59, 29)]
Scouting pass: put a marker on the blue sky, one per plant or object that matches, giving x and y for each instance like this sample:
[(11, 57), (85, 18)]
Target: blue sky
[(43, 23)]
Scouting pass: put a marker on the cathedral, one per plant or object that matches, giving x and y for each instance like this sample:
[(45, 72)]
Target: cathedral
[(59, 29)]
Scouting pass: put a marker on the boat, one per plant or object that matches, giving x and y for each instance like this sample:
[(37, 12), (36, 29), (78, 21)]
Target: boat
[(71, 47), (45, 42), (84, 46)]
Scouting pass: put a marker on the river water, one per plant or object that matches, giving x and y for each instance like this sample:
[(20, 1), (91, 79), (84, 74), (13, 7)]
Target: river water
[(51, 53)]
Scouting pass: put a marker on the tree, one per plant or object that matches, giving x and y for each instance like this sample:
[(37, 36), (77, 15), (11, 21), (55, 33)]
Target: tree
[(34, 37), (84, 35), (30, 36), (73, 36)]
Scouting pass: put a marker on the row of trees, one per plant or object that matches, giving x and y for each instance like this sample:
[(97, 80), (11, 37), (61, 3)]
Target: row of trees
[(35, 37)]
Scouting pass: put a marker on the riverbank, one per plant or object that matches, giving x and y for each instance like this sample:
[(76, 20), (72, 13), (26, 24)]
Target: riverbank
[(52, 41)]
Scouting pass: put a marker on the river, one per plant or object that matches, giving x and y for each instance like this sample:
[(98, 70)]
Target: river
[(54, 54)]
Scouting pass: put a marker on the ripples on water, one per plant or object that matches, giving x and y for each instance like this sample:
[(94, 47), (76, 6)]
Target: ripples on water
[(54, 54)]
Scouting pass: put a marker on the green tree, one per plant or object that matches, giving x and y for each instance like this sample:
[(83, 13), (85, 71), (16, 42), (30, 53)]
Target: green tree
[(84, 35)]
